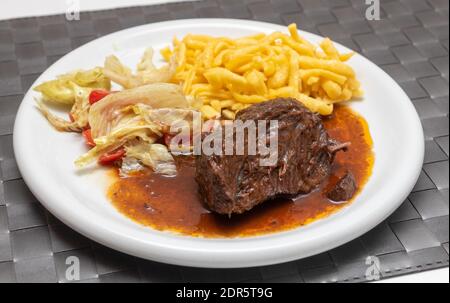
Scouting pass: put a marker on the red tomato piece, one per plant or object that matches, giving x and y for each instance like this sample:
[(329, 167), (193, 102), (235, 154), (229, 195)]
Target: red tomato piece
[(97, 94), (111, 157), (88, 137)]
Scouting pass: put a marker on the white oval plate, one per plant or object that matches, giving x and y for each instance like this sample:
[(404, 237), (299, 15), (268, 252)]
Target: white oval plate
[(45, 158)]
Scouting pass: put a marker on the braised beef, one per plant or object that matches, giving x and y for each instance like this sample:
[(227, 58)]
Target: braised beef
[(236, 183), (344, 189)]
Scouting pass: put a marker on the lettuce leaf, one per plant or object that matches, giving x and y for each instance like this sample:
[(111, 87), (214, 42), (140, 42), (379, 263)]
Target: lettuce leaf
[(104, 116), (61, 90)]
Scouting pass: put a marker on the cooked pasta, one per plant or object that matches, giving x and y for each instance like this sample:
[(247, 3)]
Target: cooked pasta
[(226, 75)]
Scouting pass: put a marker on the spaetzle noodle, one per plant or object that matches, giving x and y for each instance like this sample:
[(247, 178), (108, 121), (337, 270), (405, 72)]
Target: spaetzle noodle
[(226, 75)]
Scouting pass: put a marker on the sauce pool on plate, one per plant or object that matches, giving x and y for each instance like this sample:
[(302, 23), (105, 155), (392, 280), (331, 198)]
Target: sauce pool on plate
[(173, 203)]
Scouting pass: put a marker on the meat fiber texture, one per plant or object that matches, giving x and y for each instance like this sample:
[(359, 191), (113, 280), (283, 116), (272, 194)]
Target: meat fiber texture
[(344, 189), (233, 184)]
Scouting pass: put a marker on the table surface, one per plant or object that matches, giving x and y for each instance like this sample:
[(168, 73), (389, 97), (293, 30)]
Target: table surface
[(24, 8)]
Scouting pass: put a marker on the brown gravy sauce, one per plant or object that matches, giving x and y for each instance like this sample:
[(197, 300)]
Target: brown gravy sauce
[(173, 204)]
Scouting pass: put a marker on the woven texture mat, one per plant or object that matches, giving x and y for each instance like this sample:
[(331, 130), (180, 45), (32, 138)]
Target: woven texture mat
[(410, 42)]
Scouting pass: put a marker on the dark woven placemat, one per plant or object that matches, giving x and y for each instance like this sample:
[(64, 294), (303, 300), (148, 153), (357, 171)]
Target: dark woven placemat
[(410, 42)]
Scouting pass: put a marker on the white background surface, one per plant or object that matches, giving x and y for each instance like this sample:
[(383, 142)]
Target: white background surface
[(10, 9)]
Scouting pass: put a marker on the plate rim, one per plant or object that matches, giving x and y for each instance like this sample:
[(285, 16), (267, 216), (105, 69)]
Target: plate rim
[(90, 226)]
